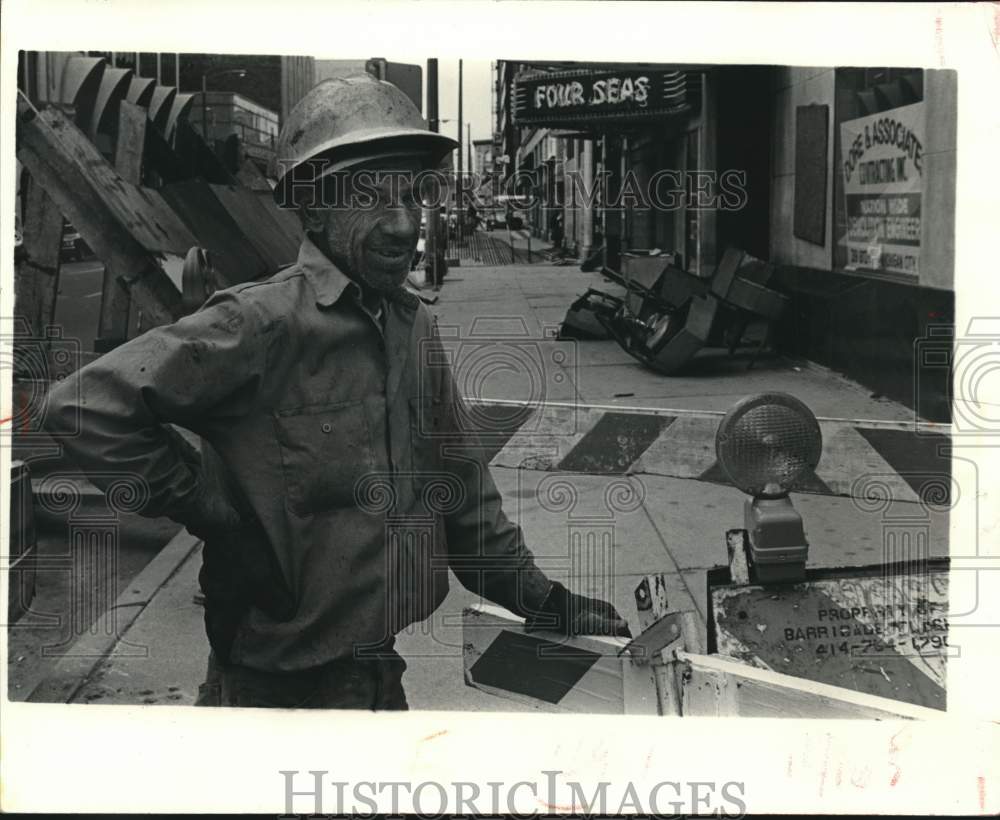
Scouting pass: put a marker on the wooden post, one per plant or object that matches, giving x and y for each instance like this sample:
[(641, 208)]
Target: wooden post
[(129, 141), (130, 138), (36, 277)]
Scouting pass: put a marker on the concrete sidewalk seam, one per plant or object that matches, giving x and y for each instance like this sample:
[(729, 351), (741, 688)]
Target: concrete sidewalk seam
[(75, 668)]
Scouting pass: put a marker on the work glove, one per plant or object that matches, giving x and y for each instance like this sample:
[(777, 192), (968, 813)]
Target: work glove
[(209, 516), (207, 512), (567, 613)]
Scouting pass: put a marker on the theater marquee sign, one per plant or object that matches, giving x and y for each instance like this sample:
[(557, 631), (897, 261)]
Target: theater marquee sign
[(568, 98)]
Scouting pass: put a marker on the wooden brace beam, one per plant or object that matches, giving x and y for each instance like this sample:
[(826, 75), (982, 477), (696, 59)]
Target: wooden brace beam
[(74, 188)]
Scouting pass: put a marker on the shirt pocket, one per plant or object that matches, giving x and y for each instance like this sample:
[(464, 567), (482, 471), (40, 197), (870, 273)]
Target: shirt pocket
[(325, 451)]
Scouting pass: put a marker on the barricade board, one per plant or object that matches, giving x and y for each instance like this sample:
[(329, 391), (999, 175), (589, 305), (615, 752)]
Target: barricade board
[(875, 630)]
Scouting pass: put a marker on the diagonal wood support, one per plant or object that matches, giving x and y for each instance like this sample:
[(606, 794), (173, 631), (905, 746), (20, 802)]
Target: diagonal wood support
[(83, 186), (115, 303)]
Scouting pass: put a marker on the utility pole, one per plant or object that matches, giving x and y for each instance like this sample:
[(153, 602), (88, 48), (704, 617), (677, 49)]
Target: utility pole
[(433, 250), (458, 180)]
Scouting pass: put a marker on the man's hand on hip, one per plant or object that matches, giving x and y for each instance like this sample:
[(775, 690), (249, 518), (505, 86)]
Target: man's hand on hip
[(209, 515)]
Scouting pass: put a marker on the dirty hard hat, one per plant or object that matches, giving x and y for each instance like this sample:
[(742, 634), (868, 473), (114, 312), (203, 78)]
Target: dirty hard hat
[(341, 122)]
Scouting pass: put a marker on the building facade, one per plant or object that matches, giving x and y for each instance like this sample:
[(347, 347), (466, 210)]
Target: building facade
[(843, 178), (220, 115)]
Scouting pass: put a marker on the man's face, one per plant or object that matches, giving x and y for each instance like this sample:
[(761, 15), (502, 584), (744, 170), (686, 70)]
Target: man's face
[(375, 232)]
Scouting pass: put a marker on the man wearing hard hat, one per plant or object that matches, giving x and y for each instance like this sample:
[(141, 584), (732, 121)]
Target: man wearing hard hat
[(337, 485)]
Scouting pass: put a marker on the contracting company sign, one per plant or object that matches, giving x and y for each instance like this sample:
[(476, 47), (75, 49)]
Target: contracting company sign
[(882, 162), (570, 97)]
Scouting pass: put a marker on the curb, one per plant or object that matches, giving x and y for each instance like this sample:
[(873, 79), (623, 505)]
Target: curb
[(78, 664)]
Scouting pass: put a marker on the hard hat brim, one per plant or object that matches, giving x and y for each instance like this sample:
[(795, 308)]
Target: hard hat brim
[(431, 147)]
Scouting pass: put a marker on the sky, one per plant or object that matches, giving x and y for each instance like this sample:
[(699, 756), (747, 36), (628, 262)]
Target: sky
[(477, 80)]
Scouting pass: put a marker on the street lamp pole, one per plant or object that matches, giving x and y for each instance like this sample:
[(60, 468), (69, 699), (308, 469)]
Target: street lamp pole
[(458, 180), (432, 241)]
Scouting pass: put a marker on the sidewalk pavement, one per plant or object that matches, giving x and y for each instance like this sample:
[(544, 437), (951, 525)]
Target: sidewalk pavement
[(480, 304), (657, 512)]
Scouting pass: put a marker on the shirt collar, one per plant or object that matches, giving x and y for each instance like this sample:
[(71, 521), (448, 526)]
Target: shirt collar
[(328, 281)]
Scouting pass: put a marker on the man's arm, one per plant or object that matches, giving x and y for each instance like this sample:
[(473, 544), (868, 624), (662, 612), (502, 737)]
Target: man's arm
[(111, 415), (487, 551)]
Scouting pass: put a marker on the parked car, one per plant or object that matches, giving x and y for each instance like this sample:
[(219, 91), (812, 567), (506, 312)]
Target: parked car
[(74, 248)]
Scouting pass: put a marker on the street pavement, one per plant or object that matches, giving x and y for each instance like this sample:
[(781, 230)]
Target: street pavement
[(78, 303), (636, 470)]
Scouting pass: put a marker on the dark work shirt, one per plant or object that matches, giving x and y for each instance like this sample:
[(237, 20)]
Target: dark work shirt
[(340, 434)]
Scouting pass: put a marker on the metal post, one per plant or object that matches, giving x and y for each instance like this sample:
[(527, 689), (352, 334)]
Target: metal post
[(432, 242), (159, 67), (588, 207), (177, 71), (458, 180)]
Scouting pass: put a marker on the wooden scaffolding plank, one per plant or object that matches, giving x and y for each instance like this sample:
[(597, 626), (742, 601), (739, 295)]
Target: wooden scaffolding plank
[(288, 220), (96, 199), (36, 273), (155, 227), (197, 158), (130, 138), (130, 141), (250, 177), (261, 229), (233, 256)]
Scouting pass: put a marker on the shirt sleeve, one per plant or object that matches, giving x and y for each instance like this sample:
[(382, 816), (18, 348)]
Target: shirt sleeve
[(486, 549), (111, 416)]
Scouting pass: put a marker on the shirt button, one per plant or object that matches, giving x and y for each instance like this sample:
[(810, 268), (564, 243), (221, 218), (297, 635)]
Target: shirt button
[(327, 427)]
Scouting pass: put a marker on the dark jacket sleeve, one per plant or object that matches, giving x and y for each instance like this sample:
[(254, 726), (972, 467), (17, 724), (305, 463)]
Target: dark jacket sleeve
[(486, 549), (111, 416)]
